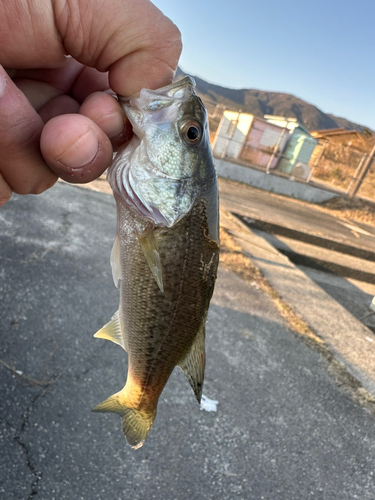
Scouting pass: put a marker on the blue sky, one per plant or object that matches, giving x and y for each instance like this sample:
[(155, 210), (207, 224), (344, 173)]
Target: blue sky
[(322, 52)]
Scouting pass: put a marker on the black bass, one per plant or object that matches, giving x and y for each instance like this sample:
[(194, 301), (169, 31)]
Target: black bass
[(166, 249)]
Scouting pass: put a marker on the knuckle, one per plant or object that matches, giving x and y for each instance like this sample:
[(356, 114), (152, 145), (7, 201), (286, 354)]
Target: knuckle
[(167, 34), (44, 185), (167, 45), (26, 185), (175, 35), (5, 194), (19, 131)]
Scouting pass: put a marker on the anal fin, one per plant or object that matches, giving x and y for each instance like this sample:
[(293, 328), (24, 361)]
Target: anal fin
[(194, 362), (150, 250), (112, 331)]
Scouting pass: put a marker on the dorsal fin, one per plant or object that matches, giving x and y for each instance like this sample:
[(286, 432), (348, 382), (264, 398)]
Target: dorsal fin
[(112, 331), (150, 250), (116, 261), (194, 362)]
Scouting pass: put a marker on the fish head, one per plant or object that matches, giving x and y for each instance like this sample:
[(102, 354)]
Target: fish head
[(168, 163), (172, 122)]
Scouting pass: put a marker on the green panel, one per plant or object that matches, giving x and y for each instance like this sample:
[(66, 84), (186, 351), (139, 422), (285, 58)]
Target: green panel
[(299, 149)]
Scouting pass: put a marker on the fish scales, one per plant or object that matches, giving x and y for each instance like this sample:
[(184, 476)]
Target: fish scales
[(168, 320), (166, 259)]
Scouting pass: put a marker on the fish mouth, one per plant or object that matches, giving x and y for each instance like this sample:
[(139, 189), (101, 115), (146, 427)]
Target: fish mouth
[(176, 90), (156, 101)]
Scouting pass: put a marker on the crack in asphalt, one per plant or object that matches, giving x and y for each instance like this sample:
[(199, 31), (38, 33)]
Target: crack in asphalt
[(17, 438)]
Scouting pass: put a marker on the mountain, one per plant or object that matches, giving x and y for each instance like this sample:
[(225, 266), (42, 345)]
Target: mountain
[(260, 102)]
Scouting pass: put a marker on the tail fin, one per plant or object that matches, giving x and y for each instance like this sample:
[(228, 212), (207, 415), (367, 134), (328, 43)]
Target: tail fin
[(135, 423)]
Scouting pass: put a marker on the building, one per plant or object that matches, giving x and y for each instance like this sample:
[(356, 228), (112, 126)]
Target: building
[(245, 137), (299, 148), (272, 142), (339, 136), (356, 141)]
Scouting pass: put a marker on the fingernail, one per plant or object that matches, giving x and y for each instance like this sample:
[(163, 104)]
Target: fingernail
[(113, 124), (3, 84), (81, 153)]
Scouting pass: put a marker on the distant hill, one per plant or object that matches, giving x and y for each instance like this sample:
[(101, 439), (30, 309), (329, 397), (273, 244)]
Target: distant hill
[(260, 102)]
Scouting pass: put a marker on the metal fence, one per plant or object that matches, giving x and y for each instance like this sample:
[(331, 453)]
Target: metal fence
[(336, 164), (367, 189), (344, 168)]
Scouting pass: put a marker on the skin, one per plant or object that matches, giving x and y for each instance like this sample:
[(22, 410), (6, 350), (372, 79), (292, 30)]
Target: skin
[(58, 117)]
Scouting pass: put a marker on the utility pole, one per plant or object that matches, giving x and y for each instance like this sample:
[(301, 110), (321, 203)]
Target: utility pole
[(320, 154), (231, 133), (275, 149), (356, 173), (361, 177)]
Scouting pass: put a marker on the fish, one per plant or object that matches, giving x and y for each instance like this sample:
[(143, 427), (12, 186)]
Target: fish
[(166, 250)]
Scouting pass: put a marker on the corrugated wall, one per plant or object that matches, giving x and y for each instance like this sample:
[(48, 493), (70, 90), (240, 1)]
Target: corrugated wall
[(231, 134), (261, 142)]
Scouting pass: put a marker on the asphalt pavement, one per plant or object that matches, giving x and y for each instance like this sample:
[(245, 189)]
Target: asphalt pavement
[(283, 429), (299, 220), (337, 254)]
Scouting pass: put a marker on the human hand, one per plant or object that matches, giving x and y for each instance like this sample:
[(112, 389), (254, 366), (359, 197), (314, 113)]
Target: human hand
[(57, 116)]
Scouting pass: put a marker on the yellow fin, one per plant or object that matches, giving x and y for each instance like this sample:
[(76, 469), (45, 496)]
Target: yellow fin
[(112, 331), (194, 362), (116, 261), (150, 250), (135, 423)]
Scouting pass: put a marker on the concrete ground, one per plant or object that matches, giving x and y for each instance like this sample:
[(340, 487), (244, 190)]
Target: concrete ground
[(283, 429), (350, 281), (331, 289), (337, 254), (288, 217)]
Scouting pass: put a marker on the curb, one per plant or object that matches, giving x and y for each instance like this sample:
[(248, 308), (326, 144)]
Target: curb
[(310, 238), (351, 342)]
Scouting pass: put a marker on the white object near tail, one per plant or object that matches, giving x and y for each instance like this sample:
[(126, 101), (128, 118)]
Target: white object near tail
[(208, 404)]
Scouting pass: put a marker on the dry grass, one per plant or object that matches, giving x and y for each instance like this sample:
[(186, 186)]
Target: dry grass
[(24, 379), (356, 209), (233, 259)]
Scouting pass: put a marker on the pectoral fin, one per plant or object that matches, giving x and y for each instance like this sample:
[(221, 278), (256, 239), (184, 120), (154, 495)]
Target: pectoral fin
[(150, 250), (112, 331), (194, 362), (116, 261)]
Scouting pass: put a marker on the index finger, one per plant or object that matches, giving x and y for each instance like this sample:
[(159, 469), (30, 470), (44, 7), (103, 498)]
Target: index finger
[(133, 40)]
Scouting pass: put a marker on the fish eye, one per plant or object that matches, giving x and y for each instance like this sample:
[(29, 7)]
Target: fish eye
[(192, 132)]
